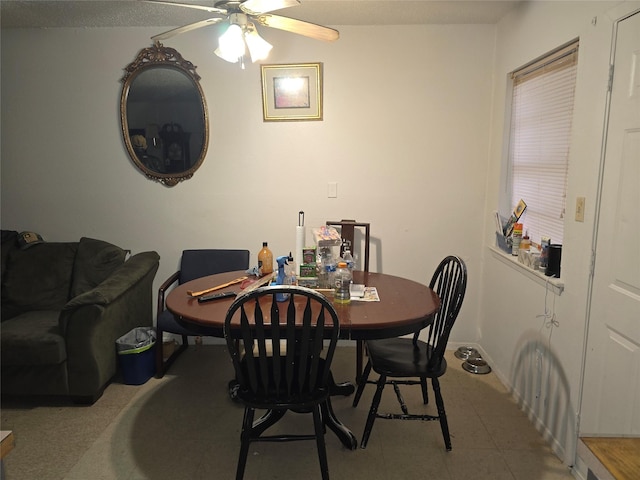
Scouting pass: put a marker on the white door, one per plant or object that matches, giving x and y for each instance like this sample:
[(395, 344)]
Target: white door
[(611, 395)]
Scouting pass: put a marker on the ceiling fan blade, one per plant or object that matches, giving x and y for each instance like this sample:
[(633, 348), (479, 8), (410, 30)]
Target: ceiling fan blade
[(300, 27), (256, 7), (189, 5), (186, 28)]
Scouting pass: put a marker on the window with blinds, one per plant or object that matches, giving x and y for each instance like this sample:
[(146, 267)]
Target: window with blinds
[(540, 136)]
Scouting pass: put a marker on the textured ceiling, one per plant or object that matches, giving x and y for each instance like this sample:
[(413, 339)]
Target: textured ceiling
[(136, 13)]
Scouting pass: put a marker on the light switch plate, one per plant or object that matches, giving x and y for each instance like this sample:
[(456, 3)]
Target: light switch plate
[(332, 190)]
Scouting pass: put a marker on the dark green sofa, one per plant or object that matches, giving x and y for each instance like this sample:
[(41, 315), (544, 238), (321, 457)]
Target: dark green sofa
[(63, 307)]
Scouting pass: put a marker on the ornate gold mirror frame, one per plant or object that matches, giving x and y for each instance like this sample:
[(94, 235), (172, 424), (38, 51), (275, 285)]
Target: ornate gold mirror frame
[(163, 114)]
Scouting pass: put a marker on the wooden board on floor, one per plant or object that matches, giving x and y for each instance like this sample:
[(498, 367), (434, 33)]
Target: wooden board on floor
[(6, 442), (619, 455)]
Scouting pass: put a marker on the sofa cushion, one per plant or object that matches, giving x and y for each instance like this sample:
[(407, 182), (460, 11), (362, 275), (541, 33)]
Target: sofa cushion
[(95, 261), (38, 278), (33, 338)]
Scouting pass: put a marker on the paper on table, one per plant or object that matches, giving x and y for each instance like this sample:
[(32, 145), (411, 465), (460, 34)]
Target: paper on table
[(370, 295)]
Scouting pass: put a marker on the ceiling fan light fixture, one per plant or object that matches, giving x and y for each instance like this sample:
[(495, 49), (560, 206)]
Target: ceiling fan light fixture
[(231, 44), (258, 47), (241, 33)]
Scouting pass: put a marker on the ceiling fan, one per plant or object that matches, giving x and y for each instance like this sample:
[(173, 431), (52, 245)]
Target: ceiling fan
[(242, 16)]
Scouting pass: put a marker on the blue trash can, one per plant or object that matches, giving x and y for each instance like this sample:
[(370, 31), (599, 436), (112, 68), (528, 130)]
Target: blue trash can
[(136, 355)]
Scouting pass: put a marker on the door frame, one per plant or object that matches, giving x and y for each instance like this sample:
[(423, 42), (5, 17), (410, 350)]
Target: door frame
[(598, 203)]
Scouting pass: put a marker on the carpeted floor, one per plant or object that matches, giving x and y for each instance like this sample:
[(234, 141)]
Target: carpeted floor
[(185, 427)]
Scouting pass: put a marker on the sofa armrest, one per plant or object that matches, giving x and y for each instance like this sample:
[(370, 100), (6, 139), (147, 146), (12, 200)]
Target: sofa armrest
[(93, 321), (130, 272)]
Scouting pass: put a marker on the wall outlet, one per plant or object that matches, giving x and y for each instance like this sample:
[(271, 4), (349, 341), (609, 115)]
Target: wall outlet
[(580, 209)]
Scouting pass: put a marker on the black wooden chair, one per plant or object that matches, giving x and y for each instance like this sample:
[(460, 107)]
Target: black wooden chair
[(413, 361), (347, 232), (193, 264), (281, 353)]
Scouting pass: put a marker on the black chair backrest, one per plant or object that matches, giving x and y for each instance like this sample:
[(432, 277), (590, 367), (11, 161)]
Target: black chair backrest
[(449, 281), (278, 349), (200, 263)]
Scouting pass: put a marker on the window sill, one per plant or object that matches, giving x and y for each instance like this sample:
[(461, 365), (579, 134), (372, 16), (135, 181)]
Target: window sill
[(554, 285)]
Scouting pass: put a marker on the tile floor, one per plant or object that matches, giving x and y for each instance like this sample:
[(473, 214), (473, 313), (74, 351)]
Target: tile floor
[(184, 426)]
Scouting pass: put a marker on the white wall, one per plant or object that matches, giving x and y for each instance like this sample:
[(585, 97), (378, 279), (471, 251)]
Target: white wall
[(405, 134), (510, 326), (412, 133)]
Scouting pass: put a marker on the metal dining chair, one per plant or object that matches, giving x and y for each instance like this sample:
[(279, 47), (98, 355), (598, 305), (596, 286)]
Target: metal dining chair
[(193, 264), (281, 353), (411, 361)]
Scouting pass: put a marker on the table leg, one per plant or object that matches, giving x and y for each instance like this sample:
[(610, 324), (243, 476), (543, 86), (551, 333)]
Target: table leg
[(343, 388), (345, 435), (268, 419), (329, 418)]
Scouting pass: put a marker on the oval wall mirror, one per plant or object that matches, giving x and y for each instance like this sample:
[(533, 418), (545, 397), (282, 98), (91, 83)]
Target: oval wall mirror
[(164, 115)]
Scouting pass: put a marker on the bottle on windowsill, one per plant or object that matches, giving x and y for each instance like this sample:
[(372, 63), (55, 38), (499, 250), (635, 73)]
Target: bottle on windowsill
[(525, 243), (517, 237)]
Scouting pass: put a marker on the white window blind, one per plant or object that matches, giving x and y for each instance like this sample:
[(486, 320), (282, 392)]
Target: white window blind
[(541, 119)]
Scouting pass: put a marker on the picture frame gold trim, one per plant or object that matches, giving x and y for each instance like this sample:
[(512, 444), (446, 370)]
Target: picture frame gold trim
[(291, 92)]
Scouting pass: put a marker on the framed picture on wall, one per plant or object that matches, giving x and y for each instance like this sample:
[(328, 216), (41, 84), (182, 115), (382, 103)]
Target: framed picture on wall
[(292, 92)]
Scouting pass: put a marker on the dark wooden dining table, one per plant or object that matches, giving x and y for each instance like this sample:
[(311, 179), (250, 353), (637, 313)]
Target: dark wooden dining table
[(404, 307)]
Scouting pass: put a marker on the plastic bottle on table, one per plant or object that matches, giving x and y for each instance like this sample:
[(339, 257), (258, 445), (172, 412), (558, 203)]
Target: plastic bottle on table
[(331, 267), (265, 260), (326, 267), (291, 277), (342, 281), (348, 258)]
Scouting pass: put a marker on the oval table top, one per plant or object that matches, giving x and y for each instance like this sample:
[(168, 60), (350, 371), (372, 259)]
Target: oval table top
[(404, 307)]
